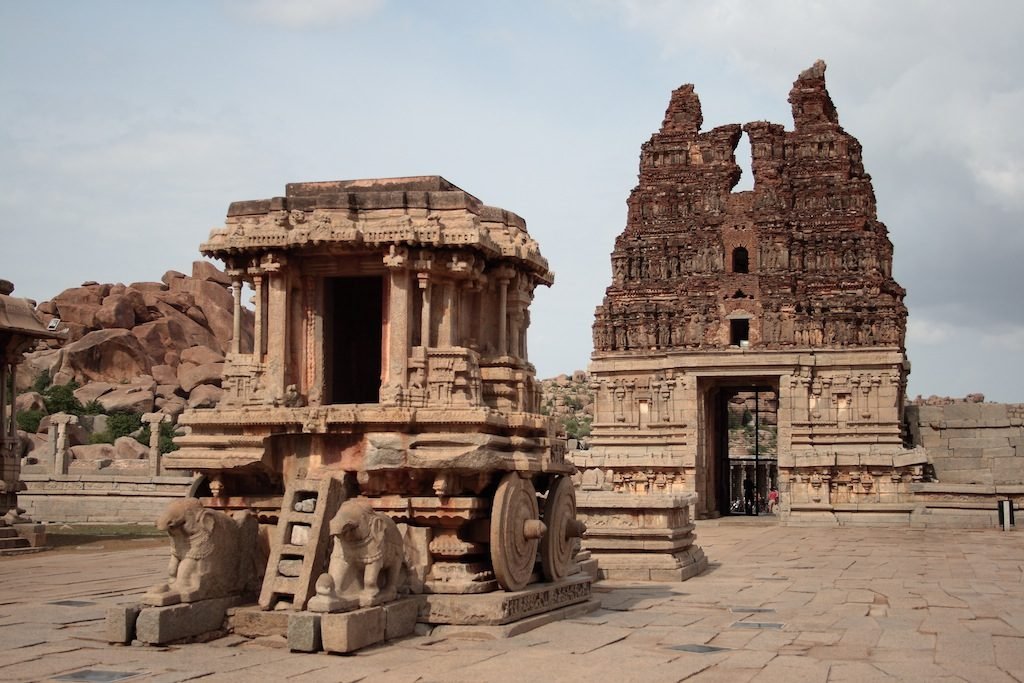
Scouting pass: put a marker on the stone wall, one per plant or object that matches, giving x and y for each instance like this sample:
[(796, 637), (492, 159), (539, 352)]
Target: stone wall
[(97, 498), (977, 453), (971, 443)]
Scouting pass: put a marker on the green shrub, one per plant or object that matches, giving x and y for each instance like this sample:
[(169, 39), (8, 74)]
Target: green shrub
[(577, 426), (28, 420), (60, 398), (123, 423), (100, 437), (42, 382), (166, 443), (93, 407)]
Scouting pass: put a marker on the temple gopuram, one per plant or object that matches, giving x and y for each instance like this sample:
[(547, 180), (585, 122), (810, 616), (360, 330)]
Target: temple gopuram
[(389, 366), (785, 291)]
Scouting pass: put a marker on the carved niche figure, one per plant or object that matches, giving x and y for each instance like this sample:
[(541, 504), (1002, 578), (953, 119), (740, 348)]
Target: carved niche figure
[(213, 555), (367, 560)]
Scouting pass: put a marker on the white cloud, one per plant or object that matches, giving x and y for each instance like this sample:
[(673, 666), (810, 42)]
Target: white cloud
[(1009, 338), (927, 332), (301, 14)]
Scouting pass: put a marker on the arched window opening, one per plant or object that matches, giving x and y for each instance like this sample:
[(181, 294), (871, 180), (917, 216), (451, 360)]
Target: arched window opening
[(740, 260)]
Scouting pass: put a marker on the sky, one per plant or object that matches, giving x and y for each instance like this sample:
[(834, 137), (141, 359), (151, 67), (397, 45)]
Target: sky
[(128, 126)]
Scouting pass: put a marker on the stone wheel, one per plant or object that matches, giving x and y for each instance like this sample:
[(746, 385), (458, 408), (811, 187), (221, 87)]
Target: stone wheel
[(513, 547), (560, 518)]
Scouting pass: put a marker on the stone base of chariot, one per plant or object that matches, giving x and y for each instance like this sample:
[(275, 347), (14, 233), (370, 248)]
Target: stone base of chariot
[(641, 537), (499, 614), (169, 624)]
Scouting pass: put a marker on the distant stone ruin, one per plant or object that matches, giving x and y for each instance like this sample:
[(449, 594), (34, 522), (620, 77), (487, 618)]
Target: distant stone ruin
[(786, 289)]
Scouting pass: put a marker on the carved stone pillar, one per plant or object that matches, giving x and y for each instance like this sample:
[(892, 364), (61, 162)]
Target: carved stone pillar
[(62, 420), (523, 336), (236, 321), (257, 337), (503, 316), (154, 420), (424, 283), (309, 350), (445, 334), (276, 322), (398, 327), (516, 323)]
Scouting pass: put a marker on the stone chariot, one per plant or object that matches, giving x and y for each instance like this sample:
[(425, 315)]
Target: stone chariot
[(389, 365)]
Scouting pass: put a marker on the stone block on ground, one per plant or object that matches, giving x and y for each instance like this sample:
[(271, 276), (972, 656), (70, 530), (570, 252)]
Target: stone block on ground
[(120, 623), (400, 617), (304, 632), (503, 607), (252, 622), (350, 631), (161, 625)]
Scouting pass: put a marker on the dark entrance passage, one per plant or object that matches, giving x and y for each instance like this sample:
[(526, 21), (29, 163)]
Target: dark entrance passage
[(743, 434), (353, 339)]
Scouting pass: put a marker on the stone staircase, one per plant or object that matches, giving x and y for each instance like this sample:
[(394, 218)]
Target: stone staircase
[(10, 540)]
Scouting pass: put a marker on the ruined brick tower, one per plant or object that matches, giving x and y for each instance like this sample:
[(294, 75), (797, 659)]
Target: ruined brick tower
[(787, 288)]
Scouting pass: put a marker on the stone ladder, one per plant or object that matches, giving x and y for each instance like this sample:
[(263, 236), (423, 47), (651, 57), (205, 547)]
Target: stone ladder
[(10, 540), (301, 542)]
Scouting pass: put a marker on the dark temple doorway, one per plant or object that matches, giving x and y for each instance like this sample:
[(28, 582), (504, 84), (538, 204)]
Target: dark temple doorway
[(743, 439), (353, 339)]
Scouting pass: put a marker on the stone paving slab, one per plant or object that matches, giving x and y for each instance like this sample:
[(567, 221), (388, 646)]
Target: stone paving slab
[(846, 604)]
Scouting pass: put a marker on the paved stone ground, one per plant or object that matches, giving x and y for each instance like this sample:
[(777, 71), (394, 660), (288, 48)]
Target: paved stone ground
[(783, 604)]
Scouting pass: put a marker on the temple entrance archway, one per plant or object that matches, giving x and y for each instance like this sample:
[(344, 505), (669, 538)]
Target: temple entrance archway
[(737, 441)]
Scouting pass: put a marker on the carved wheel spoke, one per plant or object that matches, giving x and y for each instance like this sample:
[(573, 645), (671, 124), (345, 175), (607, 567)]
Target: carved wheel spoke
[(560, 517), (513, 541)]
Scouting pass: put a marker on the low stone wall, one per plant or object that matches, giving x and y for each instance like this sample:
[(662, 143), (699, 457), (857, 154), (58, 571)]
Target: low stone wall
[(971, 443), (98, 498), (977, 453)]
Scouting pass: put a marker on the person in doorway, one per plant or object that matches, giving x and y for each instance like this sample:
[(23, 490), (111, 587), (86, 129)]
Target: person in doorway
[(773, 500), (748, 495)]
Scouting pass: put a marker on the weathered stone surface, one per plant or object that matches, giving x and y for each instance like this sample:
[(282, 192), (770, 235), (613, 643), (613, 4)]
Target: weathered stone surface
[(351, 631), (202, 355), (400, 617), (35, 364), (160, 625), (503, 607), (253, 622), (92, 391), (30, 400), (120, 624), (304, 632), (127, 448), (106, 355), (206, 271), (204, 396), (171, 405), (190, 376), (116, 312), (93, 452), (133, 399), (165, 375)]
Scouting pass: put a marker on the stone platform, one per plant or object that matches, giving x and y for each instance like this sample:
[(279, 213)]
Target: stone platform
[(641, 537), (483, 615)]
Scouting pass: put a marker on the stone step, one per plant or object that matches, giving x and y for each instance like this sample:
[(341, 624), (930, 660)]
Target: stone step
[(13, 543), (8, 532)]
